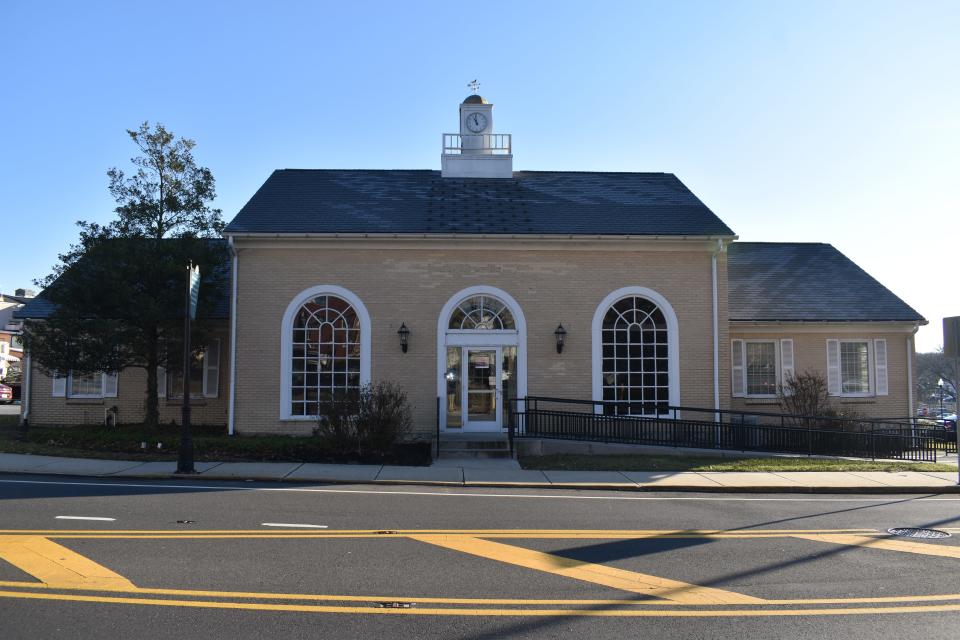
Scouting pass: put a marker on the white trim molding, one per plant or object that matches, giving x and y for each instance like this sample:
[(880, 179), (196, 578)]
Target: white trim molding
[(286, 340), (446, 336), (673, 340)]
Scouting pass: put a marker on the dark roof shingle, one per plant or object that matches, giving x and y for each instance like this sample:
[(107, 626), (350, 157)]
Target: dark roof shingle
[(325, 201), (792, 281)]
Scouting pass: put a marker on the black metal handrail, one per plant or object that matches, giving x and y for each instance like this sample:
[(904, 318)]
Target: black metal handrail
[(726, 429)]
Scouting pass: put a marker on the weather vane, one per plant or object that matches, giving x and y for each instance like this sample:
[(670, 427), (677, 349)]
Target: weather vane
[(474, 85)]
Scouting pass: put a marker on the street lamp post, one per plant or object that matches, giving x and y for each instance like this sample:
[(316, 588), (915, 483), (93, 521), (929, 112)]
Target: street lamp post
[(940, 390)]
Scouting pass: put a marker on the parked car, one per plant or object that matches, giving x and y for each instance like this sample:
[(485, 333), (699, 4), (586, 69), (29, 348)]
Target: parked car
[(948, 422), (6, 394)]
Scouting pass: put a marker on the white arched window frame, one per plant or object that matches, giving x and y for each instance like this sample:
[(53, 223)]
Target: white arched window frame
[(673, 340), (480, 337), (286, 341)]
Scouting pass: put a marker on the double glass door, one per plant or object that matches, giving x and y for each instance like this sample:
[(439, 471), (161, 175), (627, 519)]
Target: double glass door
[(474, 385)]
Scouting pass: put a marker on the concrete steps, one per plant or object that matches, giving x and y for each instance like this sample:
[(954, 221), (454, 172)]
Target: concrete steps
[(479, 446)]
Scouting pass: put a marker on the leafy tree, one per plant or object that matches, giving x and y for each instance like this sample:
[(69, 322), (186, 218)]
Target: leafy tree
[(119, 291)]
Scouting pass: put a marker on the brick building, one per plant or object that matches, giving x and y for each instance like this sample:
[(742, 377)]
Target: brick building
[(476, 283)]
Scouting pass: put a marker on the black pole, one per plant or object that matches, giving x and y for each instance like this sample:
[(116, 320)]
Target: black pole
[(185, 460)]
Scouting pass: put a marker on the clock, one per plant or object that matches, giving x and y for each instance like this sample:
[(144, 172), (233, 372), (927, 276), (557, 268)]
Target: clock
[(476, 122)]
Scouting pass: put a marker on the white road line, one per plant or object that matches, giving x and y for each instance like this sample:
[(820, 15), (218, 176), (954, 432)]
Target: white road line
[(892, 498), (294, 526), (85, 518)]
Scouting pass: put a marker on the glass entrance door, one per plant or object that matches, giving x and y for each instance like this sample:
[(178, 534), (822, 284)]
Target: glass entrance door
[(482, 389)]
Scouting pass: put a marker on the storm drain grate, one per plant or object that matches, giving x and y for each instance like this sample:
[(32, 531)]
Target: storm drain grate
[(910, 532)]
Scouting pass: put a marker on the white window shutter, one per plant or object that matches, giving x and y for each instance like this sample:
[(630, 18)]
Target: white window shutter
[(880, 363), (59, 386), (161, 382), (833, 367), (786, 361), (736, 369), (109, 385), (211, 369)]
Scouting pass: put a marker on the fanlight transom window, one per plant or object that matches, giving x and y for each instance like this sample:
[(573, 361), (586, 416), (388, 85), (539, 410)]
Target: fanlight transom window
[(636, 374), (326, 353), (482, 313)]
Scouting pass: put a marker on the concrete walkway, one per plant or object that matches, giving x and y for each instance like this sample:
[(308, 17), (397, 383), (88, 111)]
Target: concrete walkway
[(498, 473)]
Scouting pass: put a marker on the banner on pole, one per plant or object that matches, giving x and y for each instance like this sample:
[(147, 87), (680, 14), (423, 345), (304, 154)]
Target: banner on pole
[(194, 291)]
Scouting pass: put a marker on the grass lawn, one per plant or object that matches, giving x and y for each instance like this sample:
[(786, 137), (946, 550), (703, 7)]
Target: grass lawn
[(126, 442), (573, 462)]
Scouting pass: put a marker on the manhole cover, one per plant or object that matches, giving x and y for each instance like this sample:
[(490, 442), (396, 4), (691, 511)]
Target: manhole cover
[(908, 532)]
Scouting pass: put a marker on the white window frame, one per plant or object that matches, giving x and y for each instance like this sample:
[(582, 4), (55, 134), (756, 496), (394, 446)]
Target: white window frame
[(286, 342), (673, 341), (776, 366), (205, 392), (68, 389), (871, 374)]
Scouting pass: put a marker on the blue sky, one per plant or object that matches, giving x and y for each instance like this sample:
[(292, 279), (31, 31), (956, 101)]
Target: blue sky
[(832, 122)]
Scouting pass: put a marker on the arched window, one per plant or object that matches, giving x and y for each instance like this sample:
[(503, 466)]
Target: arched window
[(482, 313), (636, 362), (325, 349)]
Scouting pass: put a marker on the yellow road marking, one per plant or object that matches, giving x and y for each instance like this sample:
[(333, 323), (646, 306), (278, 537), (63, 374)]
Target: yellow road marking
[(482, 601), (903, 546), (631, 581), (603, 613), (481, 533), (57, 566)]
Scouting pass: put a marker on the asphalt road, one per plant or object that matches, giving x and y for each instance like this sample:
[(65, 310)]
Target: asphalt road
[(184, 559)]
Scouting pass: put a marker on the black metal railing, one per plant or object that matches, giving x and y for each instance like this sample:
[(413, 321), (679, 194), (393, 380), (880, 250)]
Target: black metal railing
[(692, 427)]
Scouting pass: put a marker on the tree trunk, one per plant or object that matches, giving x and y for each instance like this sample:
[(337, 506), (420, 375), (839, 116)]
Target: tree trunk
[(152, 417)]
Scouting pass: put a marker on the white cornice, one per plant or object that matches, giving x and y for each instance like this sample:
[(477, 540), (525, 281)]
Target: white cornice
[(459, 241)]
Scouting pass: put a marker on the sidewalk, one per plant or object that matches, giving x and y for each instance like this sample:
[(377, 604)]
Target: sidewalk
[(498, 473)]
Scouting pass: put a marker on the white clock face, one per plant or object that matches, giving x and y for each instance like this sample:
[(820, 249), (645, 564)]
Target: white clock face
[(476, 122)]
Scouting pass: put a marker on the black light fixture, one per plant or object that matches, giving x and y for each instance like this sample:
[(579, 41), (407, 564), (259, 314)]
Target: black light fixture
[(404, 333), (560, 334)]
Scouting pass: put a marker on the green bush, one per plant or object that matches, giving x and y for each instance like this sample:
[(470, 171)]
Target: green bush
[(371, 420)]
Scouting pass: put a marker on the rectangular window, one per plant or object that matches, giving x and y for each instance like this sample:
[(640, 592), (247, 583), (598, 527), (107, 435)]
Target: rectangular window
[(86, 386), (16, 343), (175, 378), (854, 367), (761, 369), (758, 366)]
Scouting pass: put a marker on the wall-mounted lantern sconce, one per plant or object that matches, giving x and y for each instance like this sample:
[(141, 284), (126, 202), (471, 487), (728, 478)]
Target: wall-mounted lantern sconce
[(404, 333), (560, 334)]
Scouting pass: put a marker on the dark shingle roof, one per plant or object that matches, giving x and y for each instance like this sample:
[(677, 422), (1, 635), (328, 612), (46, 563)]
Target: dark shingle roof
[(806, 282), (422, 202)]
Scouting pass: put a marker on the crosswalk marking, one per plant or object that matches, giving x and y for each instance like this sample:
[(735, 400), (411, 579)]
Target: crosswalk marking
[(672, 590)]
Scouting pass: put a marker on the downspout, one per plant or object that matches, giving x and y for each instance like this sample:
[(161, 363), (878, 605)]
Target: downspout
[(910, 350), (716, 333), (233, 336), (25, 392)]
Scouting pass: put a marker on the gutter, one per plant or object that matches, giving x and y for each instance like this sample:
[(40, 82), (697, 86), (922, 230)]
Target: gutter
[(233, 336), (489, 236)]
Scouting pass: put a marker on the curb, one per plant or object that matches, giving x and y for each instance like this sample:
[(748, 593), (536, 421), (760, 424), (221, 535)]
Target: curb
[(623, 487)]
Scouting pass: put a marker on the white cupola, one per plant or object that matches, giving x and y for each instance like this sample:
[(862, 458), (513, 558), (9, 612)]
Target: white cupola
[(476, 152)]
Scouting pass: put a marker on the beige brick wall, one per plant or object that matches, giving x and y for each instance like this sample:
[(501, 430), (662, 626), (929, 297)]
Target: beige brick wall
[(130, 401), (412, 285), (810, 355)]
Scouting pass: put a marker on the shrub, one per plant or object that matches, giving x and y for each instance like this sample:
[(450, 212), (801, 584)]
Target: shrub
[(371, 420), (805, 394)]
